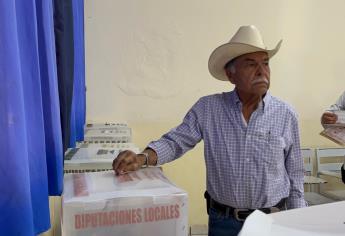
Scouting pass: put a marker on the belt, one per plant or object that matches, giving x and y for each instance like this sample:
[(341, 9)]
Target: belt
[(241, 214)]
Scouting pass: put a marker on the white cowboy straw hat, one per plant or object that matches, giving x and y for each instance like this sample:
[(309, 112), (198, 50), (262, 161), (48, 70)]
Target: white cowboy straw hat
[(246, 40)]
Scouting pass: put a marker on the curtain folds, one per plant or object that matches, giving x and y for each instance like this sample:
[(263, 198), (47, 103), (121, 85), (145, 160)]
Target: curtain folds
[(78, 102), (63, 27), (24, 198), (51, 105), (33, 120)]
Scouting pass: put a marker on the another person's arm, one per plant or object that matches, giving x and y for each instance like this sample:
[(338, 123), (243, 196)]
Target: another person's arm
[(330, 118), (340, 104)]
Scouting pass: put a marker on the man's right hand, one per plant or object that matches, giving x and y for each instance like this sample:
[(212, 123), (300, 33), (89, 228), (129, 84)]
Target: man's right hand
[(127, 161), (328, 118)]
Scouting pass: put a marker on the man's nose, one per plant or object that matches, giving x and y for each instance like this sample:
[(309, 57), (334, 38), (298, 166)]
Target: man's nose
[(260, 69)]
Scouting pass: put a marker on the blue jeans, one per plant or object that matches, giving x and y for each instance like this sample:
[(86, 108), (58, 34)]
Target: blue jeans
[(222, 225)]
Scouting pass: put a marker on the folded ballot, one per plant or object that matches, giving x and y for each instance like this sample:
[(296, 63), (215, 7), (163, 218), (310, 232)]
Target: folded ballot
[(144, 202), (335, 134)]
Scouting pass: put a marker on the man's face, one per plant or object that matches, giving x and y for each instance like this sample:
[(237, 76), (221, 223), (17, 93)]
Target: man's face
[(250, 73)]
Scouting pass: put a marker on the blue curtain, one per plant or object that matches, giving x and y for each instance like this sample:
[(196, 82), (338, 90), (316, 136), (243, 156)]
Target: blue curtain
[(63, 28), (31, 140), (24, 196), (78, 112), (51, 109)]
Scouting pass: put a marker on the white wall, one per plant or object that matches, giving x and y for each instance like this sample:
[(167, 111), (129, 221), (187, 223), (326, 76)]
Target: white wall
[(146, 63)]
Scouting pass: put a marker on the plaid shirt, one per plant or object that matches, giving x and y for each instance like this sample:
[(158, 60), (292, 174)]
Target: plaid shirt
[(250, 165)]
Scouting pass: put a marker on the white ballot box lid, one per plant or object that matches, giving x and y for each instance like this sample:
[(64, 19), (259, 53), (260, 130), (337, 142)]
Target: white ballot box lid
[(84, 187)]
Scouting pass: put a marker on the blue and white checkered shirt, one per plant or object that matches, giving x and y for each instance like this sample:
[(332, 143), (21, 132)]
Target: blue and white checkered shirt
[(250, 165)]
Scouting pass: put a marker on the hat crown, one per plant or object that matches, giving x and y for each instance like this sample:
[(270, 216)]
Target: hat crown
[(248, 35), (246, 40)]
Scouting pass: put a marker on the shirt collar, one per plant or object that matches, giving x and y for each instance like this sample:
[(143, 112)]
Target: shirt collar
[(236, 100)]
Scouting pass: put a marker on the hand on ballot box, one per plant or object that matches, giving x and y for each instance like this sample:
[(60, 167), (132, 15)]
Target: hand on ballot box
[(128, 161)]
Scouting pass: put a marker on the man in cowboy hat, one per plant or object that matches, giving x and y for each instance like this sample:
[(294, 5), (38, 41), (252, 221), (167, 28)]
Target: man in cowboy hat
[(251, 139), (329, 117)]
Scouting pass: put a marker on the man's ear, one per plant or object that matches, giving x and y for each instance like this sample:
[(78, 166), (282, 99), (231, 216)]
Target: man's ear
[(230, 76)]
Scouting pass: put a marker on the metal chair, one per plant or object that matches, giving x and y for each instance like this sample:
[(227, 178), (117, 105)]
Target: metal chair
[(329, 162), (312, 197)]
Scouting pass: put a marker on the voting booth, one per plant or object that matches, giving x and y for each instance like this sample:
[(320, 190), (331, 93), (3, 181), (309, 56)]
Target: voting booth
[(94, 157), (144, 202), (118, 135)]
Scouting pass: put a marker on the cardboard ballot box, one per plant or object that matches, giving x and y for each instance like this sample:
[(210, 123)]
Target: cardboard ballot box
[(144, 203)]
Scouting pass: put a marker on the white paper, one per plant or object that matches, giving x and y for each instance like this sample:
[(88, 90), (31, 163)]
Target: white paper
[(257, 223), (320, 220), (341, 117)]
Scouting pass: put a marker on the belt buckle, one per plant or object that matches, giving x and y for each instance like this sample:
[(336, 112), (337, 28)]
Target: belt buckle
[(236, 211)]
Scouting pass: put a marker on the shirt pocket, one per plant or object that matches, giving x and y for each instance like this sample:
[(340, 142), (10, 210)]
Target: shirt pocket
[(275, 150), (269, 150)]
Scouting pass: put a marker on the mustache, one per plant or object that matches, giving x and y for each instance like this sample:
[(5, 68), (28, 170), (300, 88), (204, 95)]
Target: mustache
[(260, 80)]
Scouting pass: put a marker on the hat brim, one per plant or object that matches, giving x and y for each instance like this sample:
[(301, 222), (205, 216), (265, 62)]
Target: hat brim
[(226, 52)]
